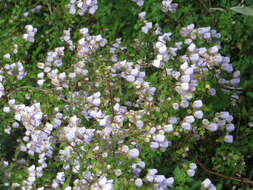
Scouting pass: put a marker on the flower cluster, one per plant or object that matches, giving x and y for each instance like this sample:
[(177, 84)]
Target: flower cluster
[(89, 44), (30, 33), (191, 170), (103, 184), (54, 58), (207, 184), (67, 38), (16, 69), (162, 51), (82, 6), (160, 181), (169, 6)]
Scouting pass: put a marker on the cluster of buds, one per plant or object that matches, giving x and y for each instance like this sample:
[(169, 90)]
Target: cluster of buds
[(133, 153), (67, 154), (16, 69), (187, 83), (102, 184), (157, 136), (206, 33), (169, 6), (160, 47), (30, 33), (119, 114), (135, 117), (31, 117), (89, 44), (221, 121), (160, 181), (58, 79), (191, 170), (82, 6), (79, 69), (79, 135), (67, 38), (54, 58)]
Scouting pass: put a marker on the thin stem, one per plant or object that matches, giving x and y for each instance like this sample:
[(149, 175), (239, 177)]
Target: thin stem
[(223, 176)]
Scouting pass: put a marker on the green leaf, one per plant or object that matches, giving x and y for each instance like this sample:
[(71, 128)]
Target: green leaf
[(243, 10)]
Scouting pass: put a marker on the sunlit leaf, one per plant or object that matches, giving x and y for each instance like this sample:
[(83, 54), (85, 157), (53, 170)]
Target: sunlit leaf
[(243, 10)]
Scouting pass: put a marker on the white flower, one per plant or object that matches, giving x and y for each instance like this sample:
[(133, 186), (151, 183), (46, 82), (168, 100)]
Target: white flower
[(157, 63), (193, 166), (194, 57), (7, 56), (12, 101), (142, 15), (197, 104), (130, 78), (212, 127), (228, 139), (125, 149), (134, 153), (40, 82), (198, 114), (117, 172), (185, 86), (159, 138), (41, 75), (72, 75), (6, 109), (213, 50), (185, 78), (189, 119), (154, 145), (168, 128), (175, 106), (186, 126), (230, 127), (191, 172), (212, 91), (170, 181), (138, 182), (206, 183), (139, 124), (184, 103), (159, 178)]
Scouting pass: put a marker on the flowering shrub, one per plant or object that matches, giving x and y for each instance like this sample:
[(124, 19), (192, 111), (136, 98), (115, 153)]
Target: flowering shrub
[(87, 107)]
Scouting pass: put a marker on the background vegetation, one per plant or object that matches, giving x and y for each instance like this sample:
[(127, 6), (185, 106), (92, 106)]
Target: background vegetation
[(119, 19)]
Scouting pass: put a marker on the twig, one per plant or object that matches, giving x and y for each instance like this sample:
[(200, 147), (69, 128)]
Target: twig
[(223, 176), (217, 9)]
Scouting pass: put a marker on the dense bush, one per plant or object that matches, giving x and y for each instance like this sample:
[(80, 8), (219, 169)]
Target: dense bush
[(125, 94)]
